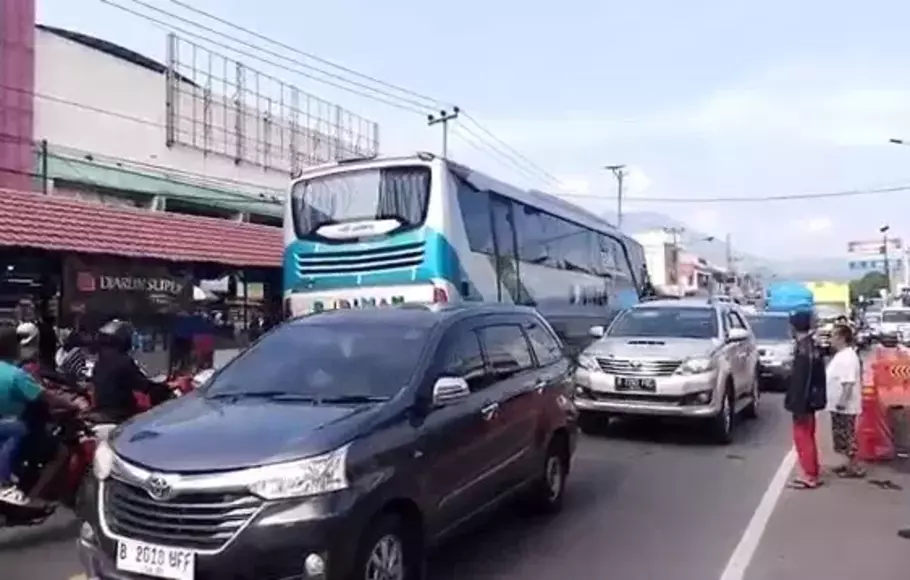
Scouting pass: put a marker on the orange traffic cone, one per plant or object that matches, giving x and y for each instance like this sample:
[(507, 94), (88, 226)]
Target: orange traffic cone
[(873, 436)]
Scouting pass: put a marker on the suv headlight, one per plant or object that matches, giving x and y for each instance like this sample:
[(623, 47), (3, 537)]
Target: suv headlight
[(695, 366), (311, 476), (103, 462), (588, 362)]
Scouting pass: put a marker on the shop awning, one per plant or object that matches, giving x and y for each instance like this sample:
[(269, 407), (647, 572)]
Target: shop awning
[(32, 220)]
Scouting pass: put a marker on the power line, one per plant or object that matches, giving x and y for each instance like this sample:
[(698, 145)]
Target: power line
[(759, 199), (431, 101), (396, 101)]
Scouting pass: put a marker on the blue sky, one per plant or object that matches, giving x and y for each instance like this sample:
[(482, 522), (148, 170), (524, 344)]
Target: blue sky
[(700, 98)]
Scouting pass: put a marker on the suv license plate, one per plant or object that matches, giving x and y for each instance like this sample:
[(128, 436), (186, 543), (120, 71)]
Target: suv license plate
[(635, 384), (156, 561)]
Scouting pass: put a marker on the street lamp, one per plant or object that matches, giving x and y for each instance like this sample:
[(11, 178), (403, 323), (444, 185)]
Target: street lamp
[(898, 142)]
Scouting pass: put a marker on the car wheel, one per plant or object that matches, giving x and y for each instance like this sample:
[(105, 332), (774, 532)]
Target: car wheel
[(723, 424), (548, 490), (388, 551), (752, 410)]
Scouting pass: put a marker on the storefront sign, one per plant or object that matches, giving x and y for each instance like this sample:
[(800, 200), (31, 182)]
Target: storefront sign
[(125, 288)]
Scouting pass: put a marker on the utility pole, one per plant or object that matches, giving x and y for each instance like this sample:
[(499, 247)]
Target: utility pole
[(884, 231), (675, 234), (443, 119), (619, 172)]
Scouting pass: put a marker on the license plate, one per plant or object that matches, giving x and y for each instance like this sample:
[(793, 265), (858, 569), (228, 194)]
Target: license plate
[(156, 561), (635, 384)]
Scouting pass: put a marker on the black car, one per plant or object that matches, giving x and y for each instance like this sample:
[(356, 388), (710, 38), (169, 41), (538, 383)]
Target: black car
[(342, 445)]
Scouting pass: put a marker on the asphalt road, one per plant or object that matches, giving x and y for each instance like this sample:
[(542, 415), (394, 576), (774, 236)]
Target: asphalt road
[(645, 502)]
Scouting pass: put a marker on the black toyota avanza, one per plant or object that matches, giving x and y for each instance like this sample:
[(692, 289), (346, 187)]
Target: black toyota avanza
[(342, 445)]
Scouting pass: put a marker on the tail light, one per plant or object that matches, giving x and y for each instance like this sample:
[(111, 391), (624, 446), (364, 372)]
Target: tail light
[(440, 296)]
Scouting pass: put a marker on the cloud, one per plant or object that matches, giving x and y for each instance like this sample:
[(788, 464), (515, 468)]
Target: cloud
[(815, 225)]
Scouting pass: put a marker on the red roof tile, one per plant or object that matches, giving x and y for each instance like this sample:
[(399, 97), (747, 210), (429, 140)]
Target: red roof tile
[(33, 220)]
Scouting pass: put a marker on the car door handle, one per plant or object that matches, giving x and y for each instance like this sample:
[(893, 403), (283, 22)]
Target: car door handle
[(489, 410)]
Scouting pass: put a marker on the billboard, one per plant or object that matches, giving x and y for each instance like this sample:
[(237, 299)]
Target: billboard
[(874, 247)]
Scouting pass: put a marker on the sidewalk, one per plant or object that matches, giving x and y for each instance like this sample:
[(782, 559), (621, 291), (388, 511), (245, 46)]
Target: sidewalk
[(844, 531)]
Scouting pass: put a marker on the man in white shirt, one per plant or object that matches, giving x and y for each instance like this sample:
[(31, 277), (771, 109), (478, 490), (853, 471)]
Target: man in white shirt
[(844, 384)]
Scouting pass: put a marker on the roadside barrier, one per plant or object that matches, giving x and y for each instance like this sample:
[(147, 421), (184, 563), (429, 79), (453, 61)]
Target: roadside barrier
[(882, 428)]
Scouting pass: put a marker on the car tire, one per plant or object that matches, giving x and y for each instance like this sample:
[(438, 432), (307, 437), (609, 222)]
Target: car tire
[(392, 540), (724, 423), (548, 490), (752, 410)]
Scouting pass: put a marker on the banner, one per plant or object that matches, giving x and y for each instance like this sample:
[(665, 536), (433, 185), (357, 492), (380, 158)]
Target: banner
[(103, 288)]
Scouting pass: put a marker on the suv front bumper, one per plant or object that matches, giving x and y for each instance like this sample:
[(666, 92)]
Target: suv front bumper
[(274, 546), (685, 396)]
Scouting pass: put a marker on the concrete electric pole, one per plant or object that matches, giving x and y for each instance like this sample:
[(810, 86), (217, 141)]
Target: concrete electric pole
[(675, 234), (619, 172), (884, 231), (443, 119)]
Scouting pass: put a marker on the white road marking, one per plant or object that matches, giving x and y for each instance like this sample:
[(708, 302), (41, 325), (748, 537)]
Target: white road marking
[(742, 556)]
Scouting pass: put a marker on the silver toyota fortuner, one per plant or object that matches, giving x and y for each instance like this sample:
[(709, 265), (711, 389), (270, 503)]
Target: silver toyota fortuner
[(694, 359)]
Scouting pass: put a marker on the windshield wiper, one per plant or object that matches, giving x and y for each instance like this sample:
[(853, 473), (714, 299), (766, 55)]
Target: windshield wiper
[(271, 395), (342, 399)]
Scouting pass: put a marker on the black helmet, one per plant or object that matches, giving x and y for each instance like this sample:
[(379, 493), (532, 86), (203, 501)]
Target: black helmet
[(117, 334)]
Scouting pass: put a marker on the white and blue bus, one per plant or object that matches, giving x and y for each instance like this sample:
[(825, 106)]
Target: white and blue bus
[(370, 232)]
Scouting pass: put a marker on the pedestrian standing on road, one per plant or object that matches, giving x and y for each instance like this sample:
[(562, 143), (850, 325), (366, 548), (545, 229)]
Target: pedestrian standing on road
[(806, 395), (844, 379)]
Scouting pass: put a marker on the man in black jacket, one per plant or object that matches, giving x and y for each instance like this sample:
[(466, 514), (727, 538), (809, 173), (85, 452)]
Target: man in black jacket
[(805, 396)]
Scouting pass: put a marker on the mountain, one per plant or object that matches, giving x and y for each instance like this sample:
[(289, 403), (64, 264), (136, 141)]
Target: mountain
[(715, 250)]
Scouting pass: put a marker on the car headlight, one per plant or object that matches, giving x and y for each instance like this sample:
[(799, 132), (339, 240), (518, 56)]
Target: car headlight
[(103, 462), (695, 366), (311, 476), (588, 362)]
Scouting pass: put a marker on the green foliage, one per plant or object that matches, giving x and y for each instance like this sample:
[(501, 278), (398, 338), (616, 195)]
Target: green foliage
[(868, 286)]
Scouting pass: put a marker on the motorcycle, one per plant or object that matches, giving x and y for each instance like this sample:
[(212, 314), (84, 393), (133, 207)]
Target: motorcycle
[(79, 433)]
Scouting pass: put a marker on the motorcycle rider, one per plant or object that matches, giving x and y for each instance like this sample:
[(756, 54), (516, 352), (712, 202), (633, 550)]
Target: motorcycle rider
[(17, 390), (116, 376), (30, 356)]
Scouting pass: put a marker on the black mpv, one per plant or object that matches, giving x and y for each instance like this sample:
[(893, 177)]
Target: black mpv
[(342, 445)]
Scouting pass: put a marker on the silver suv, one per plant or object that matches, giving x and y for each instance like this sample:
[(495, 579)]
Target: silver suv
[(693, 358)]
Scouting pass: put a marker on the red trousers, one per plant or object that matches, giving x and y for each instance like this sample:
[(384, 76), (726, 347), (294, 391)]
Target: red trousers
[(806, 447)]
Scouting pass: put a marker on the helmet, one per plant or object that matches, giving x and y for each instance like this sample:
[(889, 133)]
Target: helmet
[(28, 334), (117, 334)]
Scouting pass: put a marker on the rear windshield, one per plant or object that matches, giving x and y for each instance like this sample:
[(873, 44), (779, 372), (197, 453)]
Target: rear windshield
[(770, 327), (895, 315), (325, 361), (666, 323)]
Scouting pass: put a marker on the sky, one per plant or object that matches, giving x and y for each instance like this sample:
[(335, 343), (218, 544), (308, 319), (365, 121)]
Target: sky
[(700, 99)]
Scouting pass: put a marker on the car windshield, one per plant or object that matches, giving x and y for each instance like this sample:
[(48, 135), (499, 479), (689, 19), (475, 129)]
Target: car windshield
[(826, 311), (892, 316), (666, 323), (770, 327), (359, 204), (324, 361)]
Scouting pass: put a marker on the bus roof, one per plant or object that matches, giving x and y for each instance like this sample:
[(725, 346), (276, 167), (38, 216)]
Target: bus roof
[(538, 199)]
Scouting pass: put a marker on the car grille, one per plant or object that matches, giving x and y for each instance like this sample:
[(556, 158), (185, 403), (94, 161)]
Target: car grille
[(198, 521), (639, 368), (360, 261)]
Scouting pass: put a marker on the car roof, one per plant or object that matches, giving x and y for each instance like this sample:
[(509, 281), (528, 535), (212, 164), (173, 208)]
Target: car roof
[(767, 314), (678, 303), (408, 314)]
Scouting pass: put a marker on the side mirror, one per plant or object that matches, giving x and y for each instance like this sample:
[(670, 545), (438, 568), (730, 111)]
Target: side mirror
[(596, 332), (738, 334), (450, 390)]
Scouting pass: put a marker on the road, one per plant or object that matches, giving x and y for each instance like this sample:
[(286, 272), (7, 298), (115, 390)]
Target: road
[(645, 502)]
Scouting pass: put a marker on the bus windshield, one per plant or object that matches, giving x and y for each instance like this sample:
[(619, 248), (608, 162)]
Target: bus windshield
[(356, 204)]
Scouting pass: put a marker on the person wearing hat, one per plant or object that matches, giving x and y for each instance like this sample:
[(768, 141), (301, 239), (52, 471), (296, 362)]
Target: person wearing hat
[(806, 395)]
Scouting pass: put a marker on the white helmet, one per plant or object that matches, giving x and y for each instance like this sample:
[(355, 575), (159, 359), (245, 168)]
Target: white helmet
[(27, 333)]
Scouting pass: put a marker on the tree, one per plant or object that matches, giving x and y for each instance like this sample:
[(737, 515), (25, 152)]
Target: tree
[(868, 286)]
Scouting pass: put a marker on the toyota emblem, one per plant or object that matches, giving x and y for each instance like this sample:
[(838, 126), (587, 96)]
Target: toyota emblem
[(635, 364), (159, 488)]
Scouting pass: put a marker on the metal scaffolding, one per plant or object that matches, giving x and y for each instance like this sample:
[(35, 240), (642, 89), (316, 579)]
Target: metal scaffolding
[(222, 107)]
